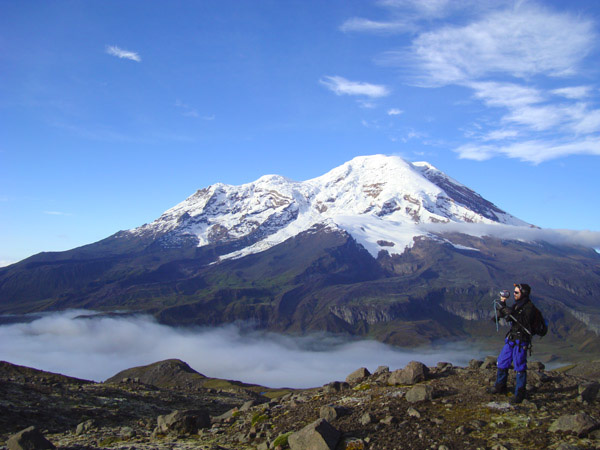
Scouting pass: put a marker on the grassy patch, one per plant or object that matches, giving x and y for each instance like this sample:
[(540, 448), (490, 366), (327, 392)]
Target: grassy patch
[(282, 440)]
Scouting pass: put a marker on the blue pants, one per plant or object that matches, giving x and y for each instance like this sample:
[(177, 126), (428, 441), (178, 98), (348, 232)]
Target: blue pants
[(514, 352)]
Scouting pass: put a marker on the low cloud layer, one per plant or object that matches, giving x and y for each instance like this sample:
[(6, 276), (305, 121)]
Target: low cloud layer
[(99, 347), (584, 238)]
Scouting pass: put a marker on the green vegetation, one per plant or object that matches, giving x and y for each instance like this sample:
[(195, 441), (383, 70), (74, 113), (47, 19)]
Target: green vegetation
[(259, 417), (282, 440)]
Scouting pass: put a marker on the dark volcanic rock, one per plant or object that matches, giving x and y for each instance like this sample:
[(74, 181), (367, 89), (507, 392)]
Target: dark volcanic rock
[(29, 439), (183, 422)]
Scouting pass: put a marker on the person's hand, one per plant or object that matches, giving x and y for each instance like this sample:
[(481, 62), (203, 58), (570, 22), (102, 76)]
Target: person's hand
[(503, 299)]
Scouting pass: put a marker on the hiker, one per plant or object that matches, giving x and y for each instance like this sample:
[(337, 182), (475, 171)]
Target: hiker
[(516, 343)]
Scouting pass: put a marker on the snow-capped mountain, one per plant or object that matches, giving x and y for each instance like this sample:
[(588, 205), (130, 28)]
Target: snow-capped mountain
[(381, 201)]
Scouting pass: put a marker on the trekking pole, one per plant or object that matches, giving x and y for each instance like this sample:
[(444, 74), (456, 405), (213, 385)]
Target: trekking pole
[(496, 314)]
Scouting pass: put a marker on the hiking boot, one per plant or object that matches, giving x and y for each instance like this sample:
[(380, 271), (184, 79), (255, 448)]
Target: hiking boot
[(518, 398), (497, 389)]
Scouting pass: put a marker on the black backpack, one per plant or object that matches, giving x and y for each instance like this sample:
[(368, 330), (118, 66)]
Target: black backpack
[(539, 325)]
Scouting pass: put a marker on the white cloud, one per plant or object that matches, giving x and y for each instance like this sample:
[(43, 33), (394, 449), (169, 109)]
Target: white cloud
[(585, 238), (502, 94), (342, 86), (521, 42), (7, 262), (535, 151), (100, 347), (573, 92), (394, 112), (365, 25), (124, 54), (499, 135)]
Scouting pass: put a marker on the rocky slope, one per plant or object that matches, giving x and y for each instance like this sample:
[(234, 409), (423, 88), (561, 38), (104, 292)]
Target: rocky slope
[(442, 407)]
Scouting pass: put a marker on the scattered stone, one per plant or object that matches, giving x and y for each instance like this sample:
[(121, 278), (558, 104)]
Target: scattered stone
[(444, 365), (419, 393), (536, 365), (330, 413), (588, 392), (477, 424), (489, 362), (413, 373), (183, 422), (29, 439), (580, 424), (412, 412), (84, 427), (128, 433), (249, 404), (388, 420), (358, 375), (366, 419), (462, 430), (382, 370), (319, 435), (336, 386), (475, 364)]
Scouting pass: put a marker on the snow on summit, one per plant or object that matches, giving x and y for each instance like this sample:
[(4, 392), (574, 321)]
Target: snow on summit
[(381, 201)]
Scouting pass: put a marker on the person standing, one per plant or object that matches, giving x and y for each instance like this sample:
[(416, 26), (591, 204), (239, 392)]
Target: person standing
[(516, 342)]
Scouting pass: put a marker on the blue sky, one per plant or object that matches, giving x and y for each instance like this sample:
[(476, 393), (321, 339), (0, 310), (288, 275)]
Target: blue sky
[(112, 112)]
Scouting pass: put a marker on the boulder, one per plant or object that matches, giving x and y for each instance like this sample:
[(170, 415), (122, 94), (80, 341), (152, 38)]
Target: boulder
[(414, 372), (419, 393), (249, 404), (358, 375), (319, 435), (588, 392), (336, 386), (475, 364), (330, 413), (580, 424), (489, 362), (84, 427), (536, 365), (183, 422), (381, 370), (29, 439)]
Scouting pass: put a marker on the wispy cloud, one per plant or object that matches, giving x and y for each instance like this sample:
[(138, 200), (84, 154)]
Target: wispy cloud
[(100, 347), (394, 112), (365, 25), (342, 86), (189, 111), (523, 41), (124, 54), (574, 92), (535, 151)]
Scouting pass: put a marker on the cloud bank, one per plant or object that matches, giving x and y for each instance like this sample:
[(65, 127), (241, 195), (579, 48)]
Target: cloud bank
[(585, 238), (99, 347)]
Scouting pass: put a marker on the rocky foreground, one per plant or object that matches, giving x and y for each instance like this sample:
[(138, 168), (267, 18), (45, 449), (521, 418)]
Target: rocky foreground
[(167, 405)]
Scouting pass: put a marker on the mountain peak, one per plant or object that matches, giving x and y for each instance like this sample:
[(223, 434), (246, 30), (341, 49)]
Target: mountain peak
[(375, 198)]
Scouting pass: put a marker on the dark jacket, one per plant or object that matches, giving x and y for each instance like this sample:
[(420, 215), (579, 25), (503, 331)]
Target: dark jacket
[(522, 311)]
